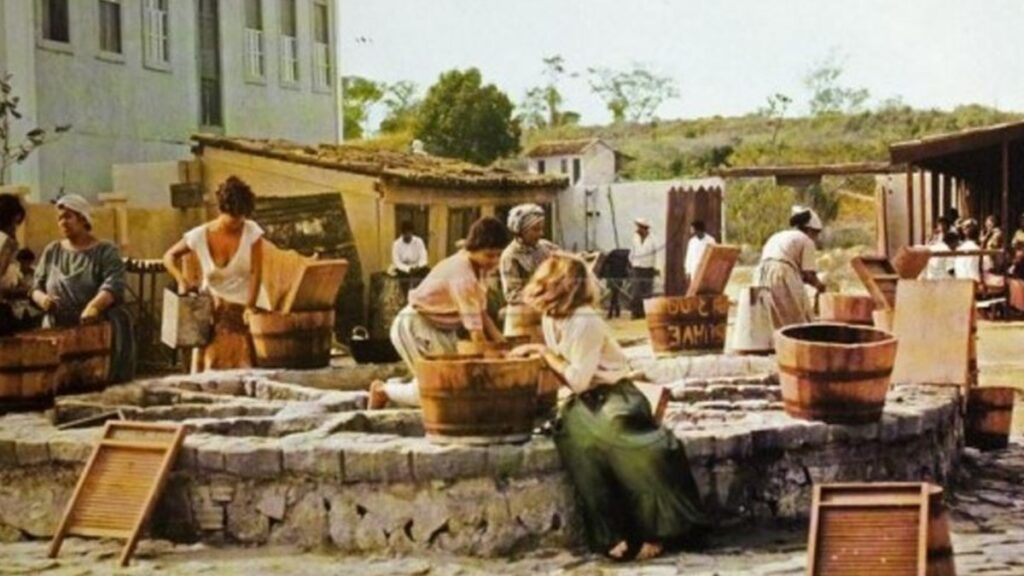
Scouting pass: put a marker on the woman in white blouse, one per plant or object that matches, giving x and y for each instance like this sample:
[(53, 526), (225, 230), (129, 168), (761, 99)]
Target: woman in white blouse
[(229, 251), (631, 475)]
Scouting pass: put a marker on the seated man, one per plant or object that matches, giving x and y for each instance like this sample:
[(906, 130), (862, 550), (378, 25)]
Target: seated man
[(969, 267), (408, 253), (941, 267)]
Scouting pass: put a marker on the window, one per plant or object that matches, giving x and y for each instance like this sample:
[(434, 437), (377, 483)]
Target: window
[(289, 43), (577, 170), (565, 166), (53, 15), (254, 39), (418, 214), (110, 26), (321, 45), (540, 167), (156, 33), (459, 221)]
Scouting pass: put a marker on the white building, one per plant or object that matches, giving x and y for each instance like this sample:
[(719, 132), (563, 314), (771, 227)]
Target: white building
[(135, 78), (586, 162)]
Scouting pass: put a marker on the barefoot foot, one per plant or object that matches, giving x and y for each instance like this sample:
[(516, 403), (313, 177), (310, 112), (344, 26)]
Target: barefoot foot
[(618, 552), (378, 397), (649, 550)]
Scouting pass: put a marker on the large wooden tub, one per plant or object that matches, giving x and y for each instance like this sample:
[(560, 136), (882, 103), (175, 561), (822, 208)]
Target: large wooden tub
[(28, 373), (473, 400), (84, 356), (837, 373), (846, 309), (687, 323), (294, 340)]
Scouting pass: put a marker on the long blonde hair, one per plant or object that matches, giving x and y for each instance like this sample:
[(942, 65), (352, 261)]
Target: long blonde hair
[(561, 284)]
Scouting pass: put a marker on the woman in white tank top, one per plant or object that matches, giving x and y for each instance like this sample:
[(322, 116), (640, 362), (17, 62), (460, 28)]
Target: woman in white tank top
[(229, 254)]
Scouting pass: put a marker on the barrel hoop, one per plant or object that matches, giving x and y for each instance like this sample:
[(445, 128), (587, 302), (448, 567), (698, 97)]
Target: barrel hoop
[(840, 377), (847, 406), (292, 334), (943, 552)]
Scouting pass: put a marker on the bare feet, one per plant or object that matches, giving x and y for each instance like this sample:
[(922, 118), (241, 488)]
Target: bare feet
[(378, 397), (618, 552), (649, 550)]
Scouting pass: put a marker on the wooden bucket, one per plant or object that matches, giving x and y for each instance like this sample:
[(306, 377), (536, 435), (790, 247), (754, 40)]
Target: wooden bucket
[(548, 383), (687, 323), (468, 400), (523, 321), (84, 356), (940, 546), (28, 373), (989, 416), (836, 373), (846, 309), (294, 340)]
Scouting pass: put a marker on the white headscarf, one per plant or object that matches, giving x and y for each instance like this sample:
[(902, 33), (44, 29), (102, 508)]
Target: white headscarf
[(523, 216), (76, 204), (815, 221)]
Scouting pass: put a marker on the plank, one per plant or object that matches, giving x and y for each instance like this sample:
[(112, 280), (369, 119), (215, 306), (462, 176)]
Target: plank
[(933, 324), (120, 484), (910, 262), (317, 287), (879, 277), (846, 523), (714, 270)]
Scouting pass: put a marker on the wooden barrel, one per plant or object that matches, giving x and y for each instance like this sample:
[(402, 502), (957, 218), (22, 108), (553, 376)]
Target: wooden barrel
[(28, 373), (687, 323), (940, 547), (470, 400), (989, 416), (846, 309), (836, 373), (84, 356), (522, 321), (293, 340)]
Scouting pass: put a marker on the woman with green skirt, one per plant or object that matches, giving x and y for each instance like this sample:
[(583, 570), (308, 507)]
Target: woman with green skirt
[(631, 475)]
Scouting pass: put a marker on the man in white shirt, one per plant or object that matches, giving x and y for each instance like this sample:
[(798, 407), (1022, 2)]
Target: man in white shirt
[(941, 267), (642, 258), (408, 253), (695, 248), (969, 267)]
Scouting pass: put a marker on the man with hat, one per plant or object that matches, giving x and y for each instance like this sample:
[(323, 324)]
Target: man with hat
[(642, 258)]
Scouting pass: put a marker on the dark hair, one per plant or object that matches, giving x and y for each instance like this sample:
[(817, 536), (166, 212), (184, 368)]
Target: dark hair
[(800, 219), (487, 233), (951, 237), (698, 225), (971, 230), (25, 255), (234, 197), (12, 212), (407, 227)]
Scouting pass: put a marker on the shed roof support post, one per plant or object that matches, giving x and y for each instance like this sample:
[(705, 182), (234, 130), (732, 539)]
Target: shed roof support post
[(910, 204), (1006, 193)]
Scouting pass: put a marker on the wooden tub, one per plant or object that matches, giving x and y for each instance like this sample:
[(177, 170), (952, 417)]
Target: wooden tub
[(989, 417), (28, 373), (84, 356), (687, 323), (294, 340), (836, 373), (846, 309)]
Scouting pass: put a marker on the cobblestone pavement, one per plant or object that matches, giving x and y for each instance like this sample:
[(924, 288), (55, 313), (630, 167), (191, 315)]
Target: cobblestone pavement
[(986, 509)]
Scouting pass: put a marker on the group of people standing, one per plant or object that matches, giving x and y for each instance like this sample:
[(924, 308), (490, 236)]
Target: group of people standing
[(631, 475), (955, 234)]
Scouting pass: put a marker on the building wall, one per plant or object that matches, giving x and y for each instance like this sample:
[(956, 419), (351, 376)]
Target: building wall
[(17, 51), (597, 163), (124, 112)]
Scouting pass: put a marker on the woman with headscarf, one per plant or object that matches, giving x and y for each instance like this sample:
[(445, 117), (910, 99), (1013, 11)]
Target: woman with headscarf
[(81, 279), (448, 305), (630, 474), (12, 214), (229, 251), (787, 263), (519, 260)]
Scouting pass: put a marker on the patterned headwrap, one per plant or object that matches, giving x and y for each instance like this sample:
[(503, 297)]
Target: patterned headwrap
[(76, 204), (523, 216)]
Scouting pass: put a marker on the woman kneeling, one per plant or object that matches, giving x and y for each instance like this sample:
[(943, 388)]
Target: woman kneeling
[(631, 475)]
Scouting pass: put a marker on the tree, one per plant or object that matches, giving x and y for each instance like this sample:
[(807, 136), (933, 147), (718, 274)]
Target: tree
[(775, 112), (14, 152), (402, 104), (462, 118), (542, 106), (634, 94), (358, 96), (828, 97)]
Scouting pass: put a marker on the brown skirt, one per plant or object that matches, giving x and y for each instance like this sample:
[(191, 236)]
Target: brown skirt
[(230, 344)]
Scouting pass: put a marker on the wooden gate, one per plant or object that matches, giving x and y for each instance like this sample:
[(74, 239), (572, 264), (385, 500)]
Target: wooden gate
[(685, 205)]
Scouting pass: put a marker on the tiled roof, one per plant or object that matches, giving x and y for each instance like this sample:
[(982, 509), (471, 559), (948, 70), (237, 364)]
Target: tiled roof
[(401, 167), (561, 147)]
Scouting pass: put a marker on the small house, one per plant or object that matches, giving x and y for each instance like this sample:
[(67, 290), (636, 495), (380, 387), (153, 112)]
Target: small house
[(585, 162)]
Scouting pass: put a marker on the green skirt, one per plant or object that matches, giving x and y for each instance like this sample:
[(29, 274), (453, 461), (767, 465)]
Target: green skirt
[(631, 475)]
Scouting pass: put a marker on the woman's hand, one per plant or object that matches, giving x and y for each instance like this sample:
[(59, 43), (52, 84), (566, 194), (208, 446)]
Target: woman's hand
[(46, 302), (250, 311), (90, 314), (526, 350)]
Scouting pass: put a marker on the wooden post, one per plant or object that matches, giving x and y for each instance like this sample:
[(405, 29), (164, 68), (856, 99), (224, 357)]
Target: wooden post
[(910, 204), (680, 214), (923, 196), (935, 198), (881, 209), (1007, 235)]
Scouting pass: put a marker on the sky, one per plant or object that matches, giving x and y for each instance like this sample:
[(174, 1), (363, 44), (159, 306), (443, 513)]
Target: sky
[(726, 56)]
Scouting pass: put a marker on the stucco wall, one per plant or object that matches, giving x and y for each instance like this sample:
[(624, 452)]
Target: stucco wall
[(598, 166)]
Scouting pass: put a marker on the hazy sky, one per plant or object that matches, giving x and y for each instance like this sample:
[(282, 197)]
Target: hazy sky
[(726, 56)]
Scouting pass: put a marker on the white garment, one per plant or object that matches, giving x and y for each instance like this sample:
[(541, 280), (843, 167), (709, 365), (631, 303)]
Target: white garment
[(408, 255), (938, 267), (967, 267), (644, 253), (11, 276), (695, 249), (230, 283), (586, 343), (792, 246)]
